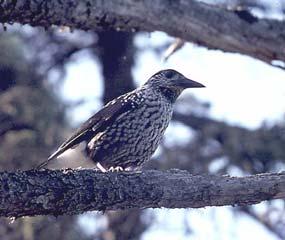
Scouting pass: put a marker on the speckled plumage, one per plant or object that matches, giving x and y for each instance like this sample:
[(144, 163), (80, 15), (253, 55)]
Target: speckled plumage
[(133, 137), (126, 132)]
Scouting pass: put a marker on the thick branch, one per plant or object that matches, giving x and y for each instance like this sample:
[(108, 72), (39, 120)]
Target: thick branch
[(28, 193), (206, 25)]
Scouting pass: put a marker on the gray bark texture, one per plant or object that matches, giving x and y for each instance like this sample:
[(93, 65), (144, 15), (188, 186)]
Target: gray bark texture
[(207, 25), (58, 192)]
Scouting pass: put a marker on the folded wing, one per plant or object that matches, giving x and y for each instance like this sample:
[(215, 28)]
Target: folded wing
[(97, 123)]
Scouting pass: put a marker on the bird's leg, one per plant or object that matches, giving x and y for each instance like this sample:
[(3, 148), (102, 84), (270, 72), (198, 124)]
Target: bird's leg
[(101, 168), (115, 169)]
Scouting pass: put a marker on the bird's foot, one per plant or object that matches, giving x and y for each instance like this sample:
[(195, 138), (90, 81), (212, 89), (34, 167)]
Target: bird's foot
[(101, 168), (115, 169)]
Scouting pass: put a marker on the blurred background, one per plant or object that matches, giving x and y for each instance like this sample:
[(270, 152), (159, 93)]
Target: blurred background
[(52, 80)]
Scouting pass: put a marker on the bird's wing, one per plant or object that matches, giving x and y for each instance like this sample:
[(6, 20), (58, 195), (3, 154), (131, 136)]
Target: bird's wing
[(95, 124)]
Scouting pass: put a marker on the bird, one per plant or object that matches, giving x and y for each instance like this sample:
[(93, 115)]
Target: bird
[(125, 133)]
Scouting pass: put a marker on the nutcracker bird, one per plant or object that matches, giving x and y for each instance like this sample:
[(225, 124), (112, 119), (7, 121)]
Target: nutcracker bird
[(126, 132)]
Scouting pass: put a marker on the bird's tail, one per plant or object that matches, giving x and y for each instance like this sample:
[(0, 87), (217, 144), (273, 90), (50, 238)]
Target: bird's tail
[(70, 143), (51, 157), (43, 164)]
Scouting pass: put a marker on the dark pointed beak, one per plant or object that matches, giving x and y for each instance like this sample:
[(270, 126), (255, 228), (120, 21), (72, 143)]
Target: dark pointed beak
[(188, 83)]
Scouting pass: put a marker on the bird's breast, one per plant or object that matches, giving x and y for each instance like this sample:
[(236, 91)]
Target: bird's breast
[(134, 136)]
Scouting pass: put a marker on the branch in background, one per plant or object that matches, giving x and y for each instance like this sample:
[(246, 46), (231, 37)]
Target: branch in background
[(15, 126), (173, 47), (49, 192), (252, 153), (207, 25), (243, 4), (269, 225)]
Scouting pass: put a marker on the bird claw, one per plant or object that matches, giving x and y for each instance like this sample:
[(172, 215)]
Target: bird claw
[(111, 169), (101, 168), (115, 169)]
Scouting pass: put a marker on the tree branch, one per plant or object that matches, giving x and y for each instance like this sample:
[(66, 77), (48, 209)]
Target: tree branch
[(211, 26), (14, 126), (58, 192)]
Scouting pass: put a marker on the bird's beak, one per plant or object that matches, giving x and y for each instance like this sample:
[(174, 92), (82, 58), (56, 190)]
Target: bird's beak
[(188, 83)]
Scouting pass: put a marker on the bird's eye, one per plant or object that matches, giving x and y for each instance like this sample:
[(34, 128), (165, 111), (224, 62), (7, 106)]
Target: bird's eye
[(169, 74)]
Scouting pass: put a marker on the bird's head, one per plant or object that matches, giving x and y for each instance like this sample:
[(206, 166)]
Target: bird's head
[(171, 83)]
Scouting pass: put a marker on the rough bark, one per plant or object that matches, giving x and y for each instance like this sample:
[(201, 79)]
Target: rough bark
[(58, 192), (207, 25)]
